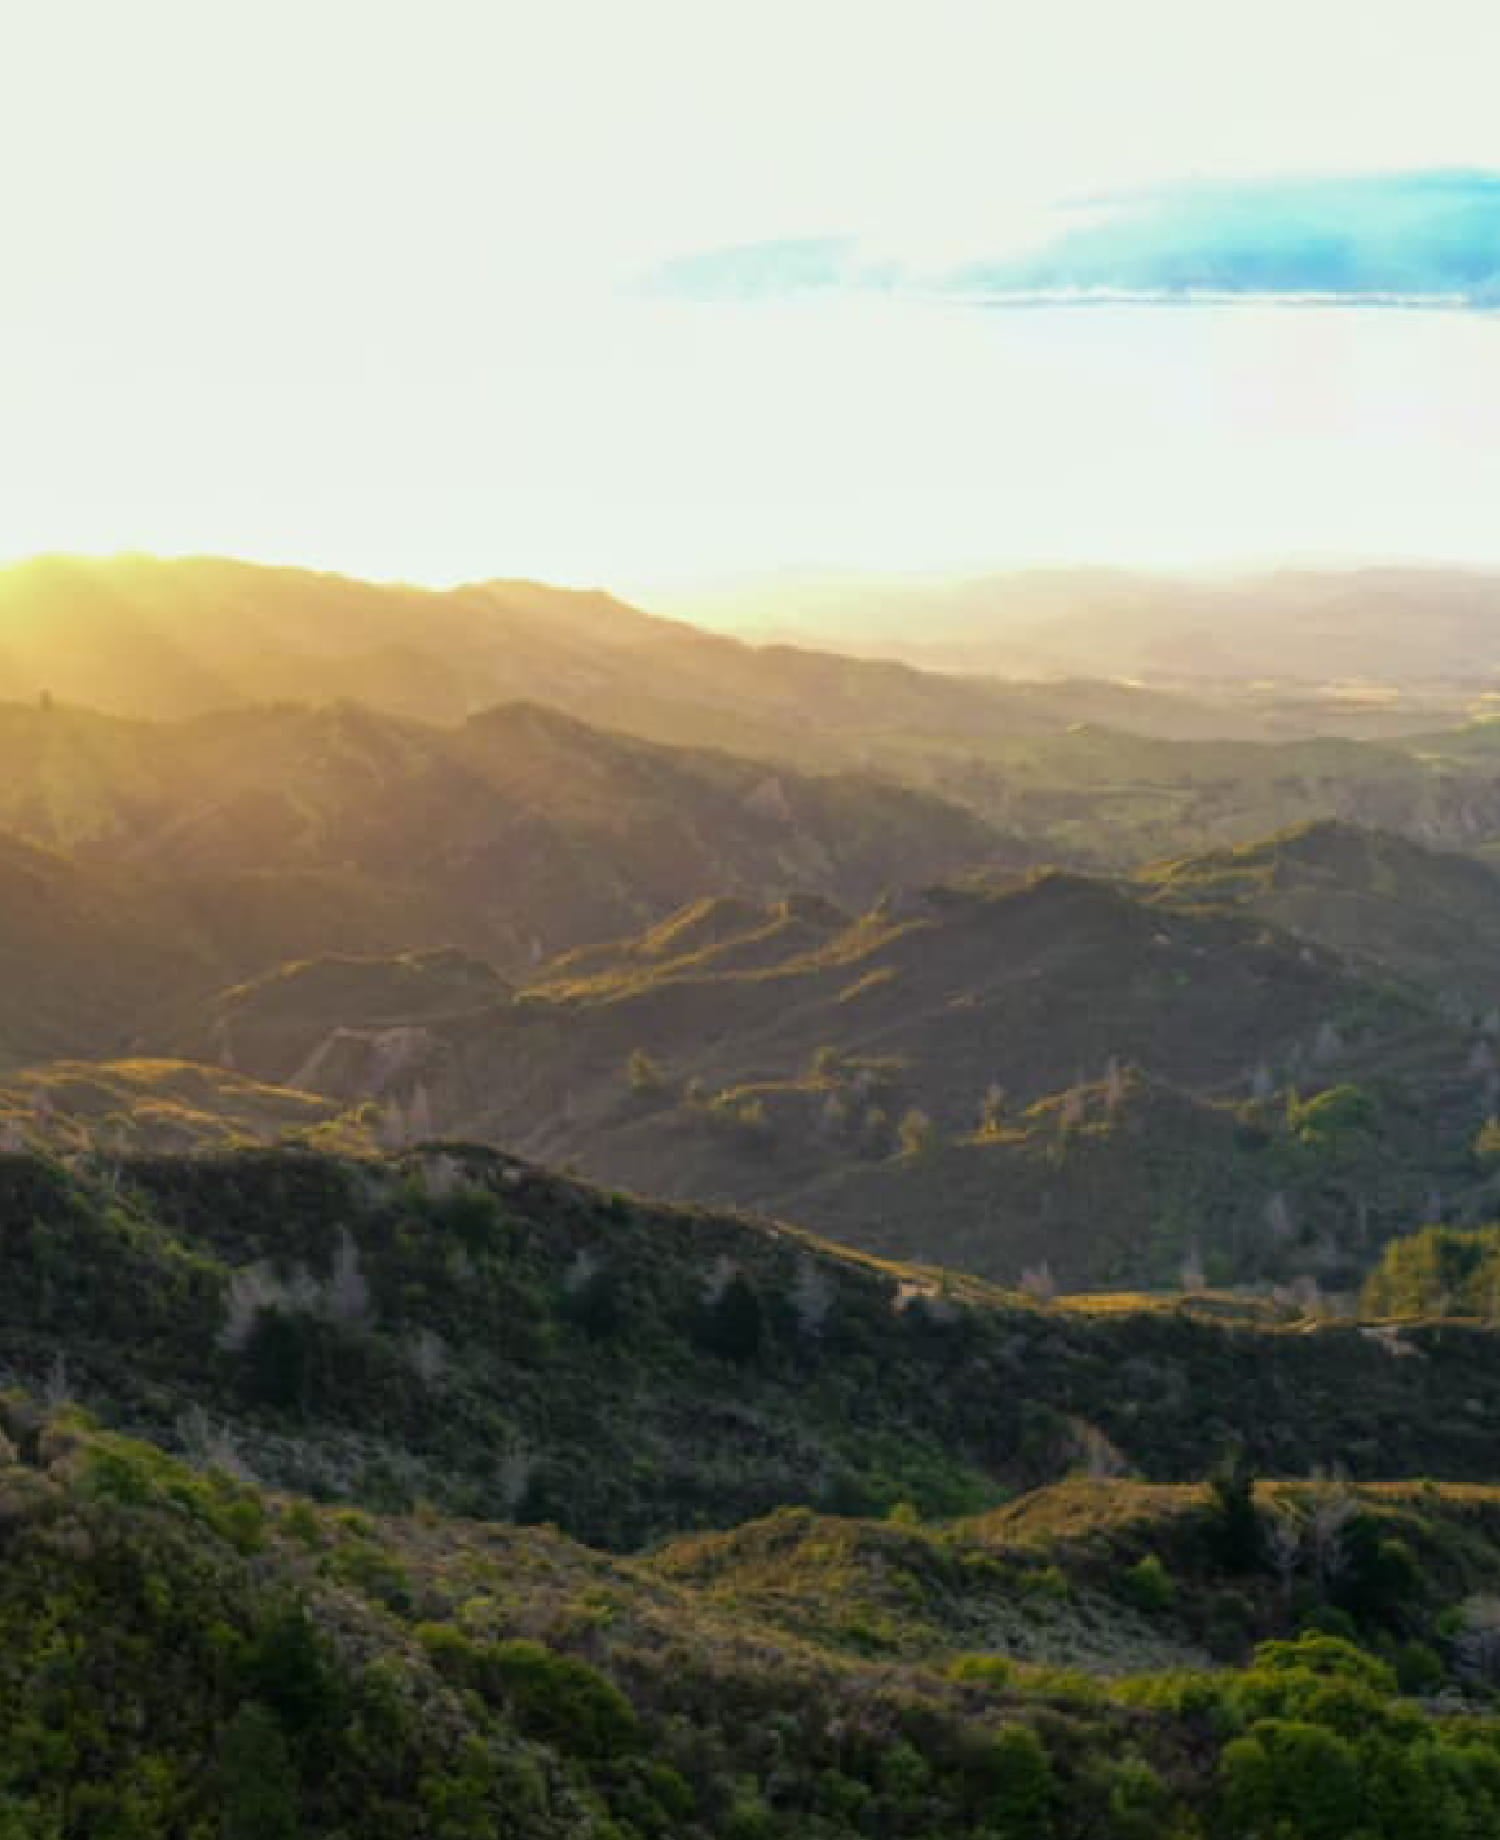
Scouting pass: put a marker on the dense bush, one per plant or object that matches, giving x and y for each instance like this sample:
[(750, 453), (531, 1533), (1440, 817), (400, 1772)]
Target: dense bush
[(1441, 1271)]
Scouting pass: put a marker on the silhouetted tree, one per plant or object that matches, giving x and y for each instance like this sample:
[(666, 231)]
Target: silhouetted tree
[(1236, 1526), (733, 1324)]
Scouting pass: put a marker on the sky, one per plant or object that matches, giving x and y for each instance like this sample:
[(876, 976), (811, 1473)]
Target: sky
[(671, 292)]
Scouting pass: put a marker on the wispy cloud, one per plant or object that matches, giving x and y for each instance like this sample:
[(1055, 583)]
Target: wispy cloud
[(1373, 239)]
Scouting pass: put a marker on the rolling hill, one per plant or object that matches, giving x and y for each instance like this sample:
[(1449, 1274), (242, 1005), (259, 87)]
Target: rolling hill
[(1429, 915), (247, 839), (1078, 769), (1111, 1081)]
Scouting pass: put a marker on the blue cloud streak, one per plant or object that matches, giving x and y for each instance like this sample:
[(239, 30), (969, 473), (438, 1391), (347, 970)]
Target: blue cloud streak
[(1422, 239)]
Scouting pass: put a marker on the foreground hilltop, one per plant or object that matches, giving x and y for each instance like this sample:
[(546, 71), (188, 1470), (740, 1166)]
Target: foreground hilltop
[(187, 1653), (1069, 1652)]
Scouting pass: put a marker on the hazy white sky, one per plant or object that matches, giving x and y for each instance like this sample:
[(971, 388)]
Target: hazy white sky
[(362, 284)]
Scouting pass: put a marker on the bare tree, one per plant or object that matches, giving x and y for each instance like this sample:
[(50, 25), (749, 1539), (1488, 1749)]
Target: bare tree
[(917, 1135), (390, 1130), (57, 1391), (1097, 1457), (1476, 1648), (875, 1132), (1279, 1217), (1286, 1537), (812, 1296), (1332, 1506), (419, 1114), (514, 1469), (1328, 1045), (1306, 1294), (992, 1110), (833, 1117), (429, 1356), (347, 1297)]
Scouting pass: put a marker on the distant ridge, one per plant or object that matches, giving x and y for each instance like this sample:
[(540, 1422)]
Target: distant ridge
[(1372, 623), (139, 635)]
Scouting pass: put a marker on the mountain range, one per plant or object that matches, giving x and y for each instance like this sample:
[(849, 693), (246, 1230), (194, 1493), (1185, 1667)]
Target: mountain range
[(610, 1234)]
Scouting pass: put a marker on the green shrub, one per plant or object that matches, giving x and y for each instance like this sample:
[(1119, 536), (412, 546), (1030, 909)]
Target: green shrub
[(988, 1670), (561, 1700), (1419, 1670), (1018, 1786), (1292, 1778), (1139, 1802), (287, 1668), (1441, 1271), (1334, 1117), (1149, 1585)]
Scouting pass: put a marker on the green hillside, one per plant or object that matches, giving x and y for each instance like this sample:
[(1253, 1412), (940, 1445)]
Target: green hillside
[(186, 1654), (1001, 1630), (458, 1327)]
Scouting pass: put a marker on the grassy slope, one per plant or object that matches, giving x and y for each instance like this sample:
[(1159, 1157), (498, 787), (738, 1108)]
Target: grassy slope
[(1430, 915), (164, 1106)]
